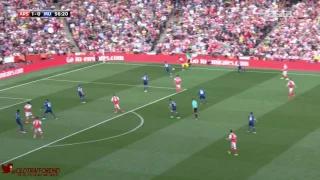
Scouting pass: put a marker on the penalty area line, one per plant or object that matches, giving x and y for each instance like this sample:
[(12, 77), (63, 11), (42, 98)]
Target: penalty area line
[(1, 108), (75, 133), (104, 139)]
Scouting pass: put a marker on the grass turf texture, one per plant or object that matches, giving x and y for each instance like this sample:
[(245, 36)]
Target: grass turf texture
[(163, 148)]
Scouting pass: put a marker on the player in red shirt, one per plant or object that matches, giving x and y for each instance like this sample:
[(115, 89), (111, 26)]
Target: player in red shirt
[(37, 127), (177, 81), (115, 101), (285, 72), (27, 108), (182, 62), (291, 85), (233, 139)]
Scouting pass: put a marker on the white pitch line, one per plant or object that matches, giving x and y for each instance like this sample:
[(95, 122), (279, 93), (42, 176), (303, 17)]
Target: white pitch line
[(103, 139), (1, 108), (250, 70), (14, 98), (60, 74), (102, 122), (90, 82)]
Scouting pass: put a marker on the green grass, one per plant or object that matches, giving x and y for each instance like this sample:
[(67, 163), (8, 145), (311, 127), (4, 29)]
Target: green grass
[(89, 141)]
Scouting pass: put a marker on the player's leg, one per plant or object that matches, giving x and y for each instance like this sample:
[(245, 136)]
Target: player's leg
[(171, 113), (27, 117), (195, 113), (177, 115), (83, 99), (235, 150), (21, 126), (53, 115), (35, 133), (44, 115), (178, 87), (231, 149), (249, 127), (41, 133), (254, 129)]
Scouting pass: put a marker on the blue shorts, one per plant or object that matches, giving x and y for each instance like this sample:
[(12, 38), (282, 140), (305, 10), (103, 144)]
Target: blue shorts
[(239, 67), (202, 97), (251, 123), (174, 109), (167, 69), (48, 111), (81, 95), (145, 83)]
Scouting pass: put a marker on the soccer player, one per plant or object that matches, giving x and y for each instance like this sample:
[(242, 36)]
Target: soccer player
[(167, 67), (145, 80), (115, 101), (37, 128), (27, 108), (239, 67), (195, 108), (48, 107), (181, 61), (285, 72), (202, 96), (252, 119), (177, 81), (233, 139), (291, 86), (173, 107), (81, 94), (18, 120)]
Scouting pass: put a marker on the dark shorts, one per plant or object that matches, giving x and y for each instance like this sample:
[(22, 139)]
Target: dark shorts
[(251, 124), (202, 97), (195, 110), (48, 111), (145, 83)]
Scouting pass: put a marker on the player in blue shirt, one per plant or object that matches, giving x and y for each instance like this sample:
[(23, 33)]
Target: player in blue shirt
[(202, 96), (145, 80), (167, 67), (173, 107), (252, 119), (18, 120), (81, 94), (48, 107), (240, 67)]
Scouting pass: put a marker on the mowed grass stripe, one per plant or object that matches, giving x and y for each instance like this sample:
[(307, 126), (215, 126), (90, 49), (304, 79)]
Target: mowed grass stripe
[(26, 78), (66, 100), (279, 130), (156, 118), (301, 161)]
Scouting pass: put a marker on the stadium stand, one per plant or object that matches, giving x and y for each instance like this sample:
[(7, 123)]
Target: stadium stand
[(294, 38), (117, 26), (30, 36)]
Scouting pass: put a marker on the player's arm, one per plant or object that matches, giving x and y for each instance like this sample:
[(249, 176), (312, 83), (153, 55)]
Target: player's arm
[(43, 107), (256, 120), (229, 138)]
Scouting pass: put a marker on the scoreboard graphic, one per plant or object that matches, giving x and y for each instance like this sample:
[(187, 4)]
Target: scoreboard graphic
[(43, 14)]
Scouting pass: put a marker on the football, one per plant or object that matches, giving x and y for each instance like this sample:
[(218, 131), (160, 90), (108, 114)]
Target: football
[(172, 69)]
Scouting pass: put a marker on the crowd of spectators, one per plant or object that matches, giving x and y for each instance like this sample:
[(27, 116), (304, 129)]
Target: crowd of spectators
[(30, 35), (232, 29), (217, 27), (124, 25), (297, 37)]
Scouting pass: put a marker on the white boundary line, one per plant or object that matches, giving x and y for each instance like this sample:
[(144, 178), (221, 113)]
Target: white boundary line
[(1, 108), (92, 82), (103, 139), (217, 69), (75, 133), (14, 98), (60, 74)]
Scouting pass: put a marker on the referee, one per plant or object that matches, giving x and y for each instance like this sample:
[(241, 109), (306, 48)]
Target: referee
[(195, 108)]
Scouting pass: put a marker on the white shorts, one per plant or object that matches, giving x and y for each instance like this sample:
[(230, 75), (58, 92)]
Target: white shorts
[(290, 90), (284, 73), (182, 65), (38, 130), (233, 145), (28, 114), (117, 106), (178, 86)]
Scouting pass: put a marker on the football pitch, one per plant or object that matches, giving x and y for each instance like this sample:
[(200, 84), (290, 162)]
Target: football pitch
[(90, 141)]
